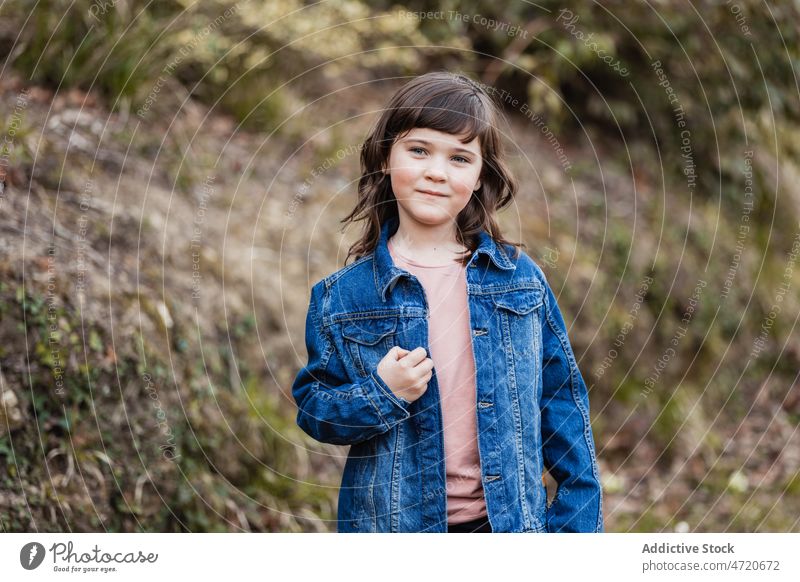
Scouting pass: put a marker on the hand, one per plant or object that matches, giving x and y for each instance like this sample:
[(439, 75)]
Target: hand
[(406, 373)]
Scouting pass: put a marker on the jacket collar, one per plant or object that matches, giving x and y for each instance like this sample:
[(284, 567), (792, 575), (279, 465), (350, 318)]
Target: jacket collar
[(387, 273)]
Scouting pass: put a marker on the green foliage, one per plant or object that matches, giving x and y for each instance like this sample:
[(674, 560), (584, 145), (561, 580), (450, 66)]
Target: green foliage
[(240, 55)]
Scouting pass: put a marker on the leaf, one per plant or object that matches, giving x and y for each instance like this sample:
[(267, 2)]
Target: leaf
[(94, 341)]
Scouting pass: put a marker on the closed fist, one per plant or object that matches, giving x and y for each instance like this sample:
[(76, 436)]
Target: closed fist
[(407, 373)]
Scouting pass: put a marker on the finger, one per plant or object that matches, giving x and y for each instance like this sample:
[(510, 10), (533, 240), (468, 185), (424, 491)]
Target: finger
[(397, 352), (416, 356), (424, 377), (425, 365)]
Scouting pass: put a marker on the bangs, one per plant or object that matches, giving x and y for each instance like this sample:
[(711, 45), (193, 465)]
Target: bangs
[(456, 114), (459, 112)]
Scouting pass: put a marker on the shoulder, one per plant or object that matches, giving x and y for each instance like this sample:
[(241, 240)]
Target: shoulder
[(525, 267), (345, 287), (349, 274), (528, 273)]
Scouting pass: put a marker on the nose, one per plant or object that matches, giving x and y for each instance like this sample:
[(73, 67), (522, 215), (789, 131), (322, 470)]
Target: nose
[(434, 171)]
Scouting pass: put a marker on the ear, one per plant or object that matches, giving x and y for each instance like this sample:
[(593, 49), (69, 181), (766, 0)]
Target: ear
[(477, 186)]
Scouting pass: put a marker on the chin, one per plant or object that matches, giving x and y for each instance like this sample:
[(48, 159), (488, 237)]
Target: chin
[(431, 216)]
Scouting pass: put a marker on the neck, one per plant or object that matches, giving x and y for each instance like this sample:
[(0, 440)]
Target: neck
[(430, 244), (425, 238)]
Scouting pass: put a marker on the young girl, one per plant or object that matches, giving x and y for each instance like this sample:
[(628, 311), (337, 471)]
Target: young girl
[(440, 355)]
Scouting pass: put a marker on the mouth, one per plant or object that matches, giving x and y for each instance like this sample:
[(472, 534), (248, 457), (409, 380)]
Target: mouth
[(433, 193)]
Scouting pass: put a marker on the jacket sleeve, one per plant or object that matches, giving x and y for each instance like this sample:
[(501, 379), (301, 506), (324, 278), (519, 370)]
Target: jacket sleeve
[(567, 442), (329, 407)]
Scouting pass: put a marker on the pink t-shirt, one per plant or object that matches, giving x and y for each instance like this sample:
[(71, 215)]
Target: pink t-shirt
[(450, 342)]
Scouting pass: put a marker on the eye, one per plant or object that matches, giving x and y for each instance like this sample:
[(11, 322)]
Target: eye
[(462, 158), (416, 149)]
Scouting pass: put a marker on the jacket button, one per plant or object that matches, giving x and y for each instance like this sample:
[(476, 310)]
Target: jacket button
[(484, 404)]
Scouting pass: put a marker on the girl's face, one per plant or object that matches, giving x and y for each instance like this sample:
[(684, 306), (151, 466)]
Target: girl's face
[(433, 175)]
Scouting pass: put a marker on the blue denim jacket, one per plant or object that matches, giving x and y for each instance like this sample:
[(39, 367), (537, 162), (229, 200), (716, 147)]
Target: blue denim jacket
[(532, 405)]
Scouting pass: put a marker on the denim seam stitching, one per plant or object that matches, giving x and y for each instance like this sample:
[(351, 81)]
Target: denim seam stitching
[(536, 348), (394, 502), (579, 405), (389, 396), (334, 277), (375, 406), (330, 349), (509, 352), (374, 513)]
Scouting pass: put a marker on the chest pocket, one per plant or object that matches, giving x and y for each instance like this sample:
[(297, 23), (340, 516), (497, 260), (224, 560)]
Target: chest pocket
[(517, 314), (367, 341), (519, 301)]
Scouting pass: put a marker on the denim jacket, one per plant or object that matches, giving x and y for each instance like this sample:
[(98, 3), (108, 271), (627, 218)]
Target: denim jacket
[(532, 405)]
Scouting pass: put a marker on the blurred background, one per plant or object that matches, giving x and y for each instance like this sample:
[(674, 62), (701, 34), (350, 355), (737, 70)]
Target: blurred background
[(173, 174)]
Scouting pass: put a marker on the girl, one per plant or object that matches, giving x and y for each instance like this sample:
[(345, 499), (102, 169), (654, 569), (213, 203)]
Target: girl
[(440, 355)]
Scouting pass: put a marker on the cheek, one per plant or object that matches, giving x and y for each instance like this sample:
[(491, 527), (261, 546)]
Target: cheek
[(461, 200), (464, 183), (404, 176)]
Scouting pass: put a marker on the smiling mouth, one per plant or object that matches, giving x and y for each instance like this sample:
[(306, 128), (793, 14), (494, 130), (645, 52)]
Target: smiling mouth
[(437, 194)]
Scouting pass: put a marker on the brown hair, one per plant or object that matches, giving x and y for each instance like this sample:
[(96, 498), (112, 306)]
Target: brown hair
[(448, 103)]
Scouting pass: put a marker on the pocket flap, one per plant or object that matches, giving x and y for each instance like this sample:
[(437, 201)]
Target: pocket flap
[(369, 331), (520, 301)]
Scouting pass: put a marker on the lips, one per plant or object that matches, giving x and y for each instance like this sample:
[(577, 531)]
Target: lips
[(433, 193)]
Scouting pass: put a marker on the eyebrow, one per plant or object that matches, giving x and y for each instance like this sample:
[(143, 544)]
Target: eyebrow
[(427, 143)]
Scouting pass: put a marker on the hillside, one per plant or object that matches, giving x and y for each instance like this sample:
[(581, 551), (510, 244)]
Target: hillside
[(171, 185)]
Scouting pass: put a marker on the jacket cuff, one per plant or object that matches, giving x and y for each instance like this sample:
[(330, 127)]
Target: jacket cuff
[(390, 408)]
